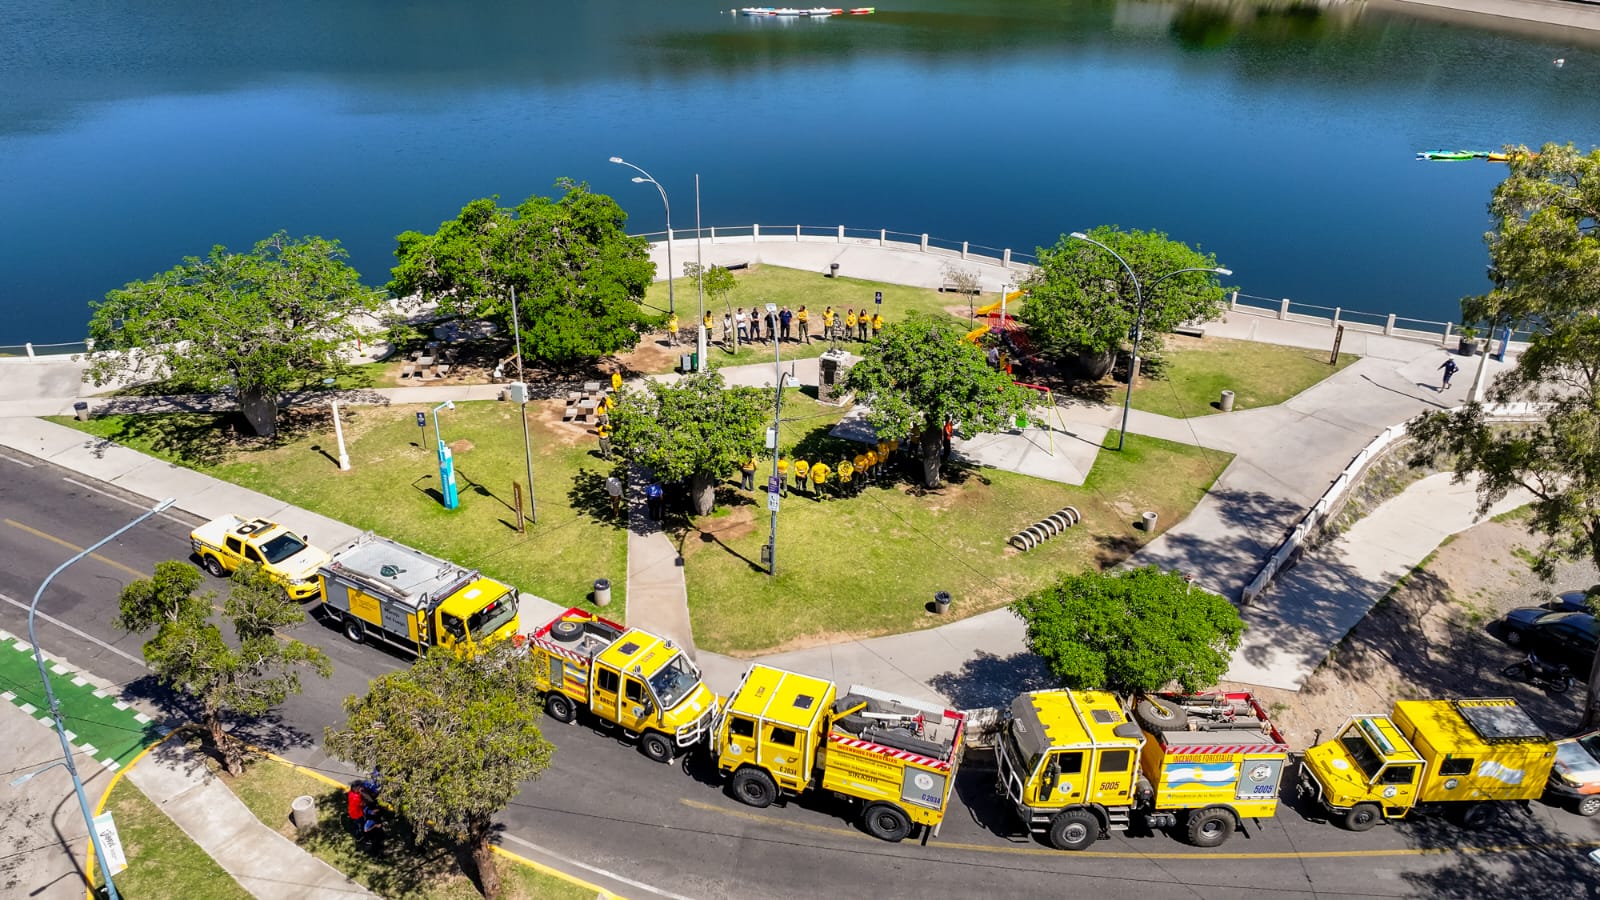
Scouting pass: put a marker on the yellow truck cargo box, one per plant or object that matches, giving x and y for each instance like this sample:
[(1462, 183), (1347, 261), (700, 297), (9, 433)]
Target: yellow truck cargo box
[(1477, 749)]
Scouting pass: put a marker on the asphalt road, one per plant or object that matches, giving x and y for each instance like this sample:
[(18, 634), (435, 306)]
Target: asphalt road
[(646, 830)]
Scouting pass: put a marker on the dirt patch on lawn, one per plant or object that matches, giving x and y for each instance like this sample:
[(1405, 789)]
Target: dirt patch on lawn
[(1434, 636), (654, 354)]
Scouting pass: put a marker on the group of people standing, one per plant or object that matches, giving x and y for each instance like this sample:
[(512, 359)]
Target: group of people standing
[(818, 479)]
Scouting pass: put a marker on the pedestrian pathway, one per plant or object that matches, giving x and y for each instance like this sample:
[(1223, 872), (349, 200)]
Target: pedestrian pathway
[(658, 597)]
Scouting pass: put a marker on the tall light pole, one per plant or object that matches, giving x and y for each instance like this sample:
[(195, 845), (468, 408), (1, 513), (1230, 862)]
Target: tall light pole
[(774, 487), (699, 281), (55, 706), (520, 389), (338, 430), (1138, 322), (648, 179)]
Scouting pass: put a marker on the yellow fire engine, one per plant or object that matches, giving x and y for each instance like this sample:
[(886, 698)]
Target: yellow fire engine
[(785, 732), (1467, 755), (1067, 763), (625, 677)]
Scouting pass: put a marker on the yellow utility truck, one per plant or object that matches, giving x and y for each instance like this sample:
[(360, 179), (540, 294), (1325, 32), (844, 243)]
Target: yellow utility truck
[(781, 732), (625, 677), (225, 544), (1466, 756), (374, 588), (1075, 764)]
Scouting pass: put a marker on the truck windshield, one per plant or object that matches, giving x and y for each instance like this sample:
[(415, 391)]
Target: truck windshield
[(1355, 744), (1023, 746), (674, 682), (282, 547), (494, 614)]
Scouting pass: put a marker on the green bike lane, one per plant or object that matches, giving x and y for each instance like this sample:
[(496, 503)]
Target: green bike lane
[(98, 723)]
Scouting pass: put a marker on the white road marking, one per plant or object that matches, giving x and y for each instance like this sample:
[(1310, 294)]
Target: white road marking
[(90, 487), (83, 634), (19, 462), (595, 869)]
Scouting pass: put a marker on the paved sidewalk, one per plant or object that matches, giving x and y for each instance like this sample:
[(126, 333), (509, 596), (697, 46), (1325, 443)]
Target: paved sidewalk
[(658, 598)]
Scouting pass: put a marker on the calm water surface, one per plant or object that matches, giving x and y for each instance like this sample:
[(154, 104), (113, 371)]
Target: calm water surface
[(134, 134)]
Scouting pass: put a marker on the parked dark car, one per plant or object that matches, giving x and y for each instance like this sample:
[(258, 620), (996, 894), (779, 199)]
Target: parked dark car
[(1568, 637), (1575, 601)]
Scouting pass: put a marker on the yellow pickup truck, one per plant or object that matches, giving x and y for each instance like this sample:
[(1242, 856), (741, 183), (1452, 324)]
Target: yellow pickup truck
[(225, 544)]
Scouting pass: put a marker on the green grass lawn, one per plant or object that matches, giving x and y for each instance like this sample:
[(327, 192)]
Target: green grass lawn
[(765, 284), (393, 483), (403, 870), (871, 564), (1197, 370), (162, 860)]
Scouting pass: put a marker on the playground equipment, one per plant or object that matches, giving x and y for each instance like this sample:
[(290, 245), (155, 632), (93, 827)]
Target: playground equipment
[(1046, 528), (1050, 405)]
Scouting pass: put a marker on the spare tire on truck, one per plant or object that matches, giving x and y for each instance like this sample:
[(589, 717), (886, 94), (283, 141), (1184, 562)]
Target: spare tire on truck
[(566, 631), (1159, 715)]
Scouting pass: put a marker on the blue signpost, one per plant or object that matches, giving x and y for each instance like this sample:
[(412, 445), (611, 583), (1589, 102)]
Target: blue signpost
[(447, 465)]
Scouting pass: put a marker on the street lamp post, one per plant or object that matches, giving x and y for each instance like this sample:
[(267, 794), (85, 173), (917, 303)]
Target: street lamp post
[(648, 179), (338, 430), (447, 465), (1138, 320), (527, 443), (699, 281), (55, 706), (775, 487)]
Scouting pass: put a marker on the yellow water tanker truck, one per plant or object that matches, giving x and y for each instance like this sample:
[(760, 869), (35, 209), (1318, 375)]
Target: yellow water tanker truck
[(374, 588), (1461, 756), (624, 677), (786, 733), (1076, 764)]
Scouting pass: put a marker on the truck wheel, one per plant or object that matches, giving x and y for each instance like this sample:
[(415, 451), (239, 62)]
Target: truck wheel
[(1587, 806), (886, 822), (1158, 716), (1210, 827), (753, 787), (354, 630), (214, 566), (1074, 829), (656, 746), (566, 631), (1362, 817), (559, 707), (1479, 816)]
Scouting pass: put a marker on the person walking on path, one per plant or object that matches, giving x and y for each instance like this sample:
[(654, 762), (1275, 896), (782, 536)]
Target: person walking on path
[(803, 318), (819, 480), (785, 317), (614, 491), (747, 473), (652, 496), (1450, 368), (604, 431), (802, 477)]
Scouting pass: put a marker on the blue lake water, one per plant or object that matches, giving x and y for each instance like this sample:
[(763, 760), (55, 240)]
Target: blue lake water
[(132, 135)]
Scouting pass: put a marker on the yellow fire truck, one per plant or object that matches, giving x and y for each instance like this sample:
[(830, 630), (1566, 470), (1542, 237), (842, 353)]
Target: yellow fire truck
[(790, 733), (375, 588), (1466, 755), (625, 677), (1067, 763)]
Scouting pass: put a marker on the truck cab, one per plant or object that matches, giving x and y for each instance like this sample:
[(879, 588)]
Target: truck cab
[(225, 544), (1367, 773), (624, 677)]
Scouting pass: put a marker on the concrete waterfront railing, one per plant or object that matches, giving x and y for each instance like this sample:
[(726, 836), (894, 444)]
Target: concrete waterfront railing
[(34, 351), (1311, 523), (1389, 324), (842, 234)]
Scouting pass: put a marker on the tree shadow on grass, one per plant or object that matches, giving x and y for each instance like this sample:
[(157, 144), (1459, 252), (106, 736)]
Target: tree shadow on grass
[(587, 495), (390, 862)]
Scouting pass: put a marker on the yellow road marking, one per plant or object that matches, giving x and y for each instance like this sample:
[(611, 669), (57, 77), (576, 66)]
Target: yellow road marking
[(1200, 855), (76, 549)]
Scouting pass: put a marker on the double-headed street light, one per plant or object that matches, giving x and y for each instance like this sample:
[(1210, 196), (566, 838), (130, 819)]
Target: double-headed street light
[(55, 705), (1138, 322), (648, 179)]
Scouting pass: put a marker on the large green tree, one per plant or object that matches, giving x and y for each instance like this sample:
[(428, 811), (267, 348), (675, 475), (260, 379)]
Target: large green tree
[(249, 677), (577, 274), (1082, 304), (454, 737), (1134, 630), (919, 375), (1545, 271), (698, 429), (257, 323)]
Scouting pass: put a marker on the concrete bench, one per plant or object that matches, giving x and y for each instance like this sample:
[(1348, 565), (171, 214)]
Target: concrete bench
[(1192, 329)]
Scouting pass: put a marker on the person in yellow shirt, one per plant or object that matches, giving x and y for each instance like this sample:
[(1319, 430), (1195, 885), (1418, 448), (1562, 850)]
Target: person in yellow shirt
[(862, 470), (849, 323), (846, 472), (819, 479), (672, 329), (827, 323), (748, 474), (616, 381), (783, 477), (605, 441), (877, 324), (863, 322), (803, 319), (802, 477), (872, 466), (705, 321)]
